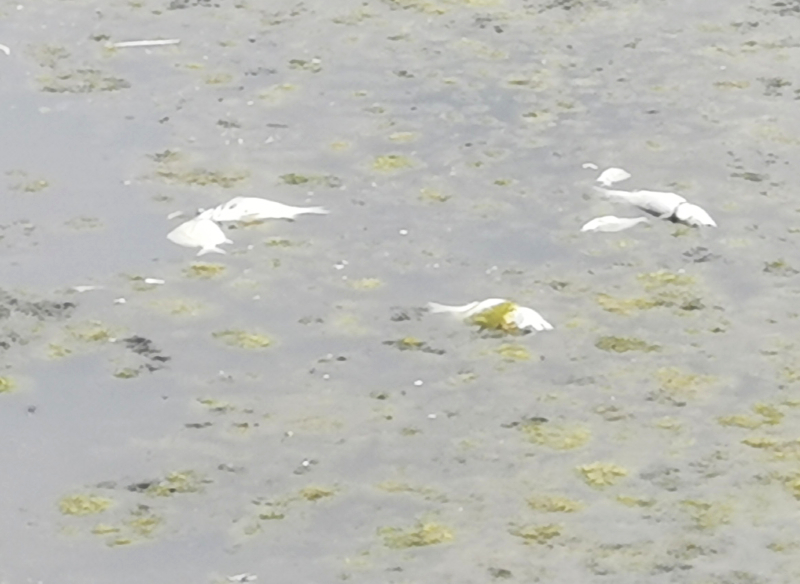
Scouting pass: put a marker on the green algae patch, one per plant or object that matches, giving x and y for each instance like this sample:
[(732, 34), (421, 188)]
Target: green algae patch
[(366, 283), (81, 81), (626, 305), (92, 332), (83, 505), (602, 474), (554, 504), (425, 533), (779, 268), (556, 436), (429, 195), (398, 487), (242, 339), (413, 344), (391, 163), (316, 493), (708, 515), (633, 501), (498, 318), (624, 344), (680, 385), (663, 289), (216, 405), (323, 180), (513, 352), (537, 534), (765, 415), (202, 177), (7, 385), (176, 483), (127, 373), (204, 270)]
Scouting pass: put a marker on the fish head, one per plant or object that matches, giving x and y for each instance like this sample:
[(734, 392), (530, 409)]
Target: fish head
[(693, 215)]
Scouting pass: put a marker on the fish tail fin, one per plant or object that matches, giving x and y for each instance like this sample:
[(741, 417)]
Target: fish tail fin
[(316, 210), (213, 249)]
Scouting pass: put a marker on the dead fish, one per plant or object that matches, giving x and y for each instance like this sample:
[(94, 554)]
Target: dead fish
[(611, 224), (612, 175), (255, 209), (669, 206), (522, 317), (199, 232)]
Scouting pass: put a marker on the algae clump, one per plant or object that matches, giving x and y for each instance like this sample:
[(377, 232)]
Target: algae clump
[(537, 534), (624, 344), (554, 504), (558, 437), (83, 504), (602, 474), (423, 534), (242, 339)]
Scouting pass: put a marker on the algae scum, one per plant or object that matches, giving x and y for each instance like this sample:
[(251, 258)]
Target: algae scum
[(289, 410)]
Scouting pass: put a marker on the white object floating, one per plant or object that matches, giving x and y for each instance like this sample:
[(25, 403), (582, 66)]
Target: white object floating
[(86, 288), (255, 208), (153, 43), (199, 232), (5, 49), (154, 281), (522, 317), (589, 165), (665, 205), (611, 224), (613, 175)]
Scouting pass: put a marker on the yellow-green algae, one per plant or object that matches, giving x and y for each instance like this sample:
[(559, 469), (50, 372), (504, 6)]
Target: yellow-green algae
[(765, 414), (92, 332), (176, 483), (708, 515), (316, 493), (678, 384), (664, 289), (624, 344), (202, 177), (602, 474), (497, 318), (366, 283), (633, 501), (7, 385), (554, 504), (556, 436), (513, 352), (537, 534), (83, 504), (432, 195), (243, 339), (391, 163), (204, 270), (425, 533)]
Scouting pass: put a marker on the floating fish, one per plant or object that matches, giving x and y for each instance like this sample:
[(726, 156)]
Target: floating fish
[(255, 209), (610, 223), (665, 205), (199, 232), (507, 314), (612, 175)]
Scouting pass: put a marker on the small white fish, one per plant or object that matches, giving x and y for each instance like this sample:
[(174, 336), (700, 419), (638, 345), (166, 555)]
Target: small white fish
[(254, 209), (199, 232), (693, 215), (522, 317), (665, 205), (148, 43), (612, 175), (660, 204), (611, 224)]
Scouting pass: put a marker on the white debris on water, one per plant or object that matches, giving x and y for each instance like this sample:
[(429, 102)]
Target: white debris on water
[(612, 224)]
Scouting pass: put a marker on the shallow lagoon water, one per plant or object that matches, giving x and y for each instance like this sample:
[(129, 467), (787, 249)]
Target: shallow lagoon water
[(649, 437)]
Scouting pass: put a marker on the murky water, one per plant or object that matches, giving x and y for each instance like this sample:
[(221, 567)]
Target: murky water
[(288, 410)]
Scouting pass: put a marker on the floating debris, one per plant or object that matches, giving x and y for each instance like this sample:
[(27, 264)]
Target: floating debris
[(85, 288), (612, 224), (135, 44), (5, 49), (256, 209), (246, 577), (199, 232), (497, 314), (669, 206), (613, 175)]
